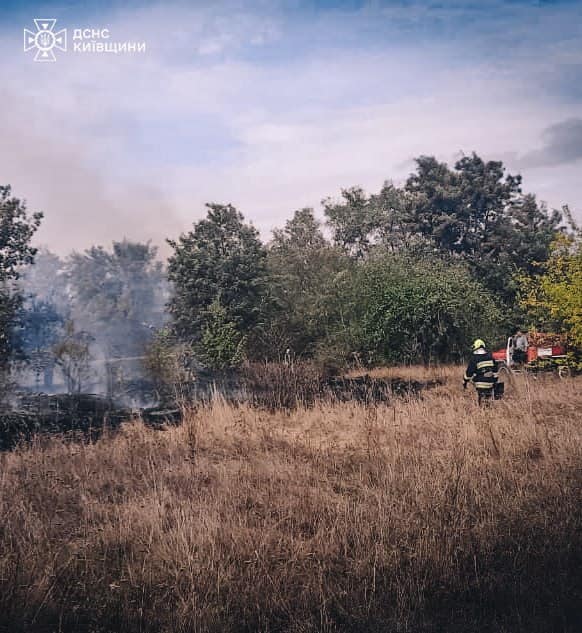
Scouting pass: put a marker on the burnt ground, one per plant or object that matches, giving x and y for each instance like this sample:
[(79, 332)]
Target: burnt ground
[(85, 416), (78, 416)]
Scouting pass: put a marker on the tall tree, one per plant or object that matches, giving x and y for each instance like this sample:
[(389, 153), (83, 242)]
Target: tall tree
[(393, 207), (40, 327), (117, 296), (360, 222), (533, 230), (222, 259), (302, 266), (477, 212), (46, 280), (485, 195), (16, 231), (517, 246), (354, 221), (458, 209)]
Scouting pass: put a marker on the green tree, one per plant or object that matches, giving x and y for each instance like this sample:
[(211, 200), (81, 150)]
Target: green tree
[(478, 213), (360, 222), (407, 310), (458, 209), (16, 231), (553, 298), (221, 259), (354, 221), (517, 246), (393, 208), (302, 267)]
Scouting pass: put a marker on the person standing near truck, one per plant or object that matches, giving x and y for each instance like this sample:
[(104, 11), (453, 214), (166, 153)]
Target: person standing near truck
[(520, 344), (482, 372)]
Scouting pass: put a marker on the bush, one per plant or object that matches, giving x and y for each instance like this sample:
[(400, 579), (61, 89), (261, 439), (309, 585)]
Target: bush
[(404, 310)]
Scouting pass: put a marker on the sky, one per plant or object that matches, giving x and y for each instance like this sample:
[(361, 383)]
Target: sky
[(275, 105)]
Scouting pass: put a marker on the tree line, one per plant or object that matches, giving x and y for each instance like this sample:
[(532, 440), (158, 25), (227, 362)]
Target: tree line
[(407, 274)]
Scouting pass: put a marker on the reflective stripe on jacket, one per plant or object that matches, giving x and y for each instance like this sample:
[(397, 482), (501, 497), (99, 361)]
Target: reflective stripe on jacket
[(482, 370)]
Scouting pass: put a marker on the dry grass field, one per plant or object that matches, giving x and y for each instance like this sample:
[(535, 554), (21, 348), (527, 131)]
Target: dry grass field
[(426, 514)]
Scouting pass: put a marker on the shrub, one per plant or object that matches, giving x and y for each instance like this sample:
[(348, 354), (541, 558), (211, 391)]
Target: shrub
[(404, 310)]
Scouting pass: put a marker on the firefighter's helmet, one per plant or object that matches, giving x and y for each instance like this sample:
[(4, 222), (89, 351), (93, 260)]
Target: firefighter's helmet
[(478, 344)]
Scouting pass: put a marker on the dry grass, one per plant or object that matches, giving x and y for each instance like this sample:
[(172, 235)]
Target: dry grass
[(445, 373), (423, 515)]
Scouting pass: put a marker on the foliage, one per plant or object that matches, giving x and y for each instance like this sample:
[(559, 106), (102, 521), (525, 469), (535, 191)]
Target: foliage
[(40, 323), (39, 327), (222, 257), (170, 365), (409, 272), (46, 281), (16, 231), (10, 304), (478, 213), (302, 267), (405, 310), (360, 222), (118, 296), (159, 361), (554, 297), (460, 209), (354, 221), (221, 345), (46, 308), (519, 244), (474, 212)]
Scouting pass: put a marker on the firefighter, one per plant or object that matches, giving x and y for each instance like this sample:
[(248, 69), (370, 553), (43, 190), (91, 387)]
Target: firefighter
[(482, 372)]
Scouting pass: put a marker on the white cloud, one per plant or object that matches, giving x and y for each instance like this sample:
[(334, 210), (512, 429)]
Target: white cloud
[(86, 140), (286, 167)]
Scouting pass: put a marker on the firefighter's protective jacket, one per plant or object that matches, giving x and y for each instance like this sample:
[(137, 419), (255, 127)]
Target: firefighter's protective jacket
[(482, 370)]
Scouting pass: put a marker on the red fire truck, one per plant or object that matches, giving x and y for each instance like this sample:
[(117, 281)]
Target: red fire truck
[(545, 352)]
